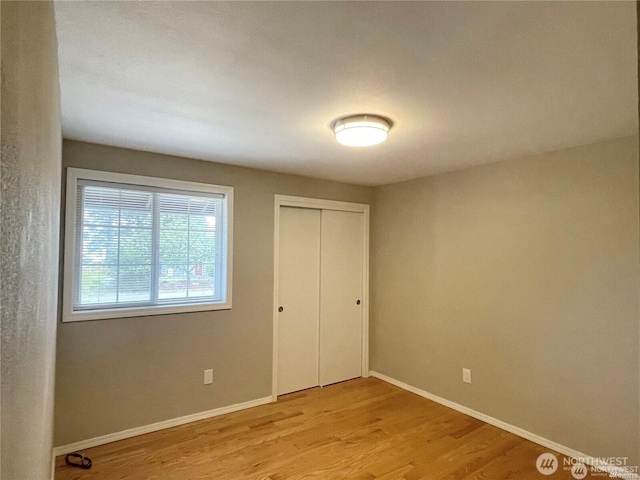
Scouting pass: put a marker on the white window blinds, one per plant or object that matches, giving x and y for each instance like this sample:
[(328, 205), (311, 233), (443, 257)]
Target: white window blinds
[(147, 246)]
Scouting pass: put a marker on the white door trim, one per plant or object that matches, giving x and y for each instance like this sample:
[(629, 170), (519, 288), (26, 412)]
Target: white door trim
[(316, 203)]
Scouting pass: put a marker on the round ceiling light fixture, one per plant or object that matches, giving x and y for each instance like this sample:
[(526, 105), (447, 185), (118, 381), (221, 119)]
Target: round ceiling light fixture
[(361, 130)]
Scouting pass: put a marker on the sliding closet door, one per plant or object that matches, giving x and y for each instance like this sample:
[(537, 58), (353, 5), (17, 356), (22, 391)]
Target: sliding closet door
[(299, 299), (341, 296)]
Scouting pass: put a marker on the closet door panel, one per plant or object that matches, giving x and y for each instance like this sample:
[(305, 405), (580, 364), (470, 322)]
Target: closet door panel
[(341, 296), (299, 297)]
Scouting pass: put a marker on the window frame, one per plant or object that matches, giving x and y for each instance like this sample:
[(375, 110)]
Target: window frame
[(70, 257)]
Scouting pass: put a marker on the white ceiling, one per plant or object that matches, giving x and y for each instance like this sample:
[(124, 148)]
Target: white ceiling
[(259, 83)]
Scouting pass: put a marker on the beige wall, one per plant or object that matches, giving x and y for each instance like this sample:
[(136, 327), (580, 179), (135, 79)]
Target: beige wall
[(31, 144), (123, 373), (526, 272)]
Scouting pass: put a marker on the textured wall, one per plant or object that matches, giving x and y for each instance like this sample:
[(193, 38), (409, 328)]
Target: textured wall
[(526, 272), (638, 65), (123, 373), (31, 143)]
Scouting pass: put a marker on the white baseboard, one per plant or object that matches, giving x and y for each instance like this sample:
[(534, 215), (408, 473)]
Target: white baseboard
[(613, 470), (154, 427)]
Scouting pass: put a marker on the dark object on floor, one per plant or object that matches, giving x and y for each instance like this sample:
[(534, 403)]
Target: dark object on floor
[(76, 459)]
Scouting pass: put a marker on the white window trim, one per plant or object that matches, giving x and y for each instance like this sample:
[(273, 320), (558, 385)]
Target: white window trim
[(73, 174)]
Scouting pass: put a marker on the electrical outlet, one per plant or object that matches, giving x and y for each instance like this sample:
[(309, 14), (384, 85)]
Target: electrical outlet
[(466, 375), (208, 377)]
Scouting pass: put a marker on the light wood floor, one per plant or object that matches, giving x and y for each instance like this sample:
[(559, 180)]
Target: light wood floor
[(361, 429)]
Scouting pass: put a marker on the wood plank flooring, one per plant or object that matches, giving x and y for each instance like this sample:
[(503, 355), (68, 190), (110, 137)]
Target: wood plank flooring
[(361, 429)]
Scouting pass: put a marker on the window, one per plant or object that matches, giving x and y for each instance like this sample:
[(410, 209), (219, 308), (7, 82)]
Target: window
[(145, 246)]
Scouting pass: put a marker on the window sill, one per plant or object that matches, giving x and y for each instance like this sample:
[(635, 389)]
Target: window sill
[(146, 311)]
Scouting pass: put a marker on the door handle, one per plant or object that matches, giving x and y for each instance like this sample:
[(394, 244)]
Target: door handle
[(280, 309), (358, 302)]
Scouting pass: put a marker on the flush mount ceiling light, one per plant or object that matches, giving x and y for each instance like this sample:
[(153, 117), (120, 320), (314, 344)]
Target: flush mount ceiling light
[(361, 130)]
